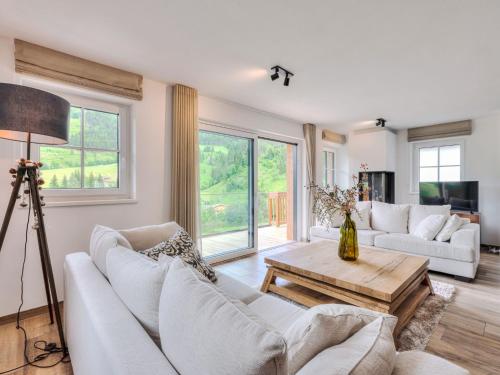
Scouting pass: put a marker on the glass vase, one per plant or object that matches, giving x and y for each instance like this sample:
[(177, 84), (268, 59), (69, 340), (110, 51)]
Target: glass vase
[(348, 244)]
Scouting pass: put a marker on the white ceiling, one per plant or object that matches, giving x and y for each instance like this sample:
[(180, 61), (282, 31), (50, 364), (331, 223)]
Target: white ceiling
[(412, 62)]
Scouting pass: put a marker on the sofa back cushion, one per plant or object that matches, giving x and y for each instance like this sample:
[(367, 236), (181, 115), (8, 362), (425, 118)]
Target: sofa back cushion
[(370, 351), (138, 281), (204, 332), (324, 326), (101, 240), (142, 238), (392, 218), (419, 212), (362, 217)]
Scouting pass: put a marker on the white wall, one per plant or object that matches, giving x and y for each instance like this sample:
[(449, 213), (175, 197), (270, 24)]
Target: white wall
[(68, 228), (482, 163)]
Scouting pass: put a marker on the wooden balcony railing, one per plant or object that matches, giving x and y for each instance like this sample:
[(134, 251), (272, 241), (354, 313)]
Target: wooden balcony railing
[(277, 208)]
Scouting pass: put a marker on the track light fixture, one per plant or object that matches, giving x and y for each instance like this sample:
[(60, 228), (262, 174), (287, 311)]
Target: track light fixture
[(381, 122), (277, 69)]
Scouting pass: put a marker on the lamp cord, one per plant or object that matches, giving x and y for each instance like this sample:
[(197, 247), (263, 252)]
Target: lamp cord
[(48, 348)]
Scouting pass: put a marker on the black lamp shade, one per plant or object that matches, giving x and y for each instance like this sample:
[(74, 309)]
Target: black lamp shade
[(25, 110)]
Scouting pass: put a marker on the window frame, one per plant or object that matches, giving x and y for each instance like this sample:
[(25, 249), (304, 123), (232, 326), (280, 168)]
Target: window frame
[(99, 102), (324, 169), (415, 159)]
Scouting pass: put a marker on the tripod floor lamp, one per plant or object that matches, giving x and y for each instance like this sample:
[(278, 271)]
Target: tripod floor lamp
[(33, 116)]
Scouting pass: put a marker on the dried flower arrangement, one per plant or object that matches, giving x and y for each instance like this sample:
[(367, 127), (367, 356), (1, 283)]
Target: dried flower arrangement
[(330, 201)]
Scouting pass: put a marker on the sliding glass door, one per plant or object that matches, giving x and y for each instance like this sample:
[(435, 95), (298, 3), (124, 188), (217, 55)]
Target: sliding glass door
[(226, 192)]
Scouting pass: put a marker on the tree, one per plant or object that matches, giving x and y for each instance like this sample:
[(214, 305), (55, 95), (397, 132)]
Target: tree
[(54, 184), (64, 183), (74, 179), (100, 181), (90, 180)]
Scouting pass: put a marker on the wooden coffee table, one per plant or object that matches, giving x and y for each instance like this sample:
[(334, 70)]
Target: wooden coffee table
[(380, 280)]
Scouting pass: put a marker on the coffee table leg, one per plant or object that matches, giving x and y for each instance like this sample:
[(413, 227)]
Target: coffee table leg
[(429, 283), (268, 280)]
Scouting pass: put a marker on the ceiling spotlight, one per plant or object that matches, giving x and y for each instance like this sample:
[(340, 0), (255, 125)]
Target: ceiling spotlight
[(381, 122), (276, 73), (277, 69), (286, 82)]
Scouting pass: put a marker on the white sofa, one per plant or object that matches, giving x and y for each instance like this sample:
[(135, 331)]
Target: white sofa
[(104, 337), (459, 256)]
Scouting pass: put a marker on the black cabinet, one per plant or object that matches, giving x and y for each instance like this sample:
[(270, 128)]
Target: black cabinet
[(380, 186)]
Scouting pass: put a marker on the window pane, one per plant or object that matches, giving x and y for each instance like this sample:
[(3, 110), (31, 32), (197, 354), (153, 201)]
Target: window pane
[(101, 169), (61, 167), (101, 129), (330, 160), (449, 155), (331, 180), (428, 174), (75, 127), (449, 174), (429, 157)]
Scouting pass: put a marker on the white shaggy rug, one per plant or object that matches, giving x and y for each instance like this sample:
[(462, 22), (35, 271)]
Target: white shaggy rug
[(418, 331)]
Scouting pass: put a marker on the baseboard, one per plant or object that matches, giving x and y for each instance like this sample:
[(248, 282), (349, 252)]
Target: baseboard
[(26, 314)]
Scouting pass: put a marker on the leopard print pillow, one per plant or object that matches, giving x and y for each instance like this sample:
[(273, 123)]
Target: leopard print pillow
[(182, 245)]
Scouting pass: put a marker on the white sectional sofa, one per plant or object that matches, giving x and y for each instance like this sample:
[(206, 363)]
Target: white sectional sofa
[(395, 231), (105, 338)]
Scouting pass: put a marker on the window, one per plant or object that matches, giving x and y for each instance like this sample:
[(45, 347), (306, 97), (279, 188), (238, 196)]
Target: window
[(328, 168), (91, 158), (437, 161)]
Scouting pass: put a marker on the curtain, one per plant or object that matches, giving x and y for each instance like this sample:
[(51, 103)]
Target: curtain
[(310, 139), (185, 158), (45, 62)]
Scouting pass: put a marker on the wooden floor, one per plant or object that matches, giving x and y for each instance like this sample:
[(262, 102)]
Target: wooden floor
[(468, 334)]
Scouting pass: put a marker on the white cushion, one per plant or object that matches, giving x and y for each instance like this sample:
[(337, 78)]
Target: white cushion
[(421, 363), (370, 351), (204, 332), (419, 212), (236, 289), (413, 245), (365, 236), (362, 217), (276, 312), (392, 218), (451, 226), (428, 228), (138, 281), (324, 326), (142, 238), (101, 240)]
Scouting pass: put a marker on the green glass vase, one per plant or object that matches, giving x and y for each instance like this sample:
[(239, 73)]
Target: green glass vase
[(348, 244)]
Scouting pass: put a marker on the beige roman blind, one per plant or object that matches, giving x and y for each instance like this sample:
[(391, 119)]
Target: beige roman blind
[(449, 129), (330, 136), (46, 62)]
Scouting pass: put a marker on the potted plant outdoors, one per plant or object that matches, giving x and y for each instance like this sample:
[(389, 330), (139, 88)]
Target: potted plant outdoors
[(330, 202)]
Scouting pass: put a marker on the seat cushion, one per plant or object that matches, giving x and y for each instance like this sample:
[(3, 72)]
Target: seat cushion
[(365, 236), (276, 312), (370, 351), (421, 363), (419, 212), (203, 331), (410, 244), (392, 218), (236, 289)]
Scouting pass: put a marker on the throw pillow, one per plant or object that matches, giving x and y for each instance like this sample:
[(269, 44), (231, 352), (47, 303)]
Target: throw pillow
[(370, 351), (204, 332), (392, 218), (101, 240), (182, 245), (143, 238), (138, 281), (451, 226), (428, 228), (419, 212), (324, 326)]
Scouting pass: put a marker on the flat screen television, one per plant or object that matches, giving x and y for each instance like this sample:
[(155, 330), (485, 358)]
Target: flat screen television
[(461, 195)]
